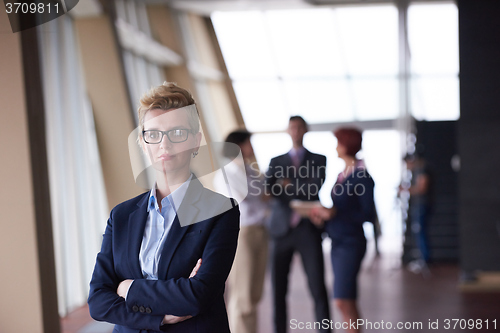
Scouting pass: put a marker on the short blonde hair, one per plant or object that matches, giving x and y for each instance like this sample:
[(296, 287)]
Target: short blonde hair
[(166, 97)]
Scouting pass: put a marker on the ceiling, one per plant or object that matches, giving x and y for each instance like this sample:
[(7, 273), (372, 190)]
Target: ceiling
[(206, 7)]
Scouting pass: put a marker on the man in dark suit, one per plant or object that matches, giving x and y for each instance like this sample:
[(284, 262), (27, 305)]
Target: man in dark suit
[(206, 226), (298, 174)]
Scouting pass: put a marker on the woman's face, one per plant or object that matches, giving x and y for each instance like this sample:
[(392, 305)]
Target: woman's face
[(341, 150), (168, 156)]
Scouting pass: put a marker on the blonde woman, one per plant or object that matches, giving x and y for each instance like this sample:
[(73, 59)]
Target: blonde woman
[(166, 253)]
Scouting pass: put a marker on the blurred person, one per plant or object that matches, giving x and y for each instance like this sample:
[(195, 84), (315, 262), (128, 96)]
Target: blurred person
[(353, 204), (166, 253), (420, 204), (246, 280), (298, 174)]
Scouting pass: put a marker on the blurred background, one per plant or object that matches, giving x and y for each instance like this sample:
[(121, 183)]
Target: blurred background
[(413, 75)]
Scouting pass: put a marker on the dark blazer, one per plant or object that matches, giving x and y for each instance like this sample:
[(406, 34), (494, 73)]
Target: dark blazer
[(353, 199), (213, 238), (304, 185)]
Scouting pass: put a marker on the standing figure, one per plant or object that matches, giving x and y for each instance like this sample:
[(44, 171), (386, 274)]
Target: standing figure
[(246, 280), (298, 174), (353, 204), (420, 204), (166, 253)]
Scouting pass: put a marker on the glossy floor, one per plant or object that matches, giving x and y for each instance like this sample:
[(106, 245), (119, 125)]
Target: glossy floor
[(389, 293)]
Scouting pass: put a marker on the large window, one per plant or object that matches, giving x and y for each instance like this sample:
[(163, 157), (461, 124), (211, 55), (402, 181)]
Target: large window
[(318, 63), (433, 40), (143, 71), (341, 64), (345, 64), (77, 192)]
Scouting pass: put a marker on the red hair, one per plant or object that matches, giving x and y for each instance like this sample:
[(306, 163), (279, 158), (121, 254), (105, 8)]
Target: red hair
[(350, 138)]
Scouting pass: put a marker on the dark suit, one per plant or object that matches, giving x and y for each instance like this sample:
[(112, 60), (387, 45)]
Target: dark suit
[(353, 199), (305, 237), (213, 239)]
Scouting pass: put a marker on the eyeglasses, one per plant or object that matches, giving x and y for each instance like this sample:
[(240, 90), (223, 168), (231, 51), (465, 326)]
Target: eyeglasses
[(175, 135)]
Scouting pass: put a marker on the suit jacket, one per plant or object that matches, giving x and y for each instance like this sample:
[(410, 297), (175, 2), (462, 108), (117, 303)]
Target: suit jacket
[(353, 199), (304, 185), (213, 238)]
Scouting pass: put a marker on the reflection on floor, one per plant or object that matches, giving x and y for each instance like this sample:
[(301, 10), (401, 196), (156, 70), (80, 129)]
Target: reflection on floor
[(388, 293)]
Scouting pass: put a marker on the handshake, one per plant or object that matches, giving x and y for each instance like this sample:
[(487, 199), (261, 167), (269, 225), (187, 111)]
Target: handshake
[(314, 211)]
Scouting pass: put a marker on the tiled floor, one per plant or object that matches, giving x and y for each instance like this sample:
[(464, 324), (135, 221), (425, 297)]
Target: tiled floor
[(388, 293)]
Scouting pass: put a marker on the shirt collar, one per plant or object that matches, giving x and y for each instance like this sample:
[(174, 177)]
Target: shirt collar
[(297, 152), (175, 198)]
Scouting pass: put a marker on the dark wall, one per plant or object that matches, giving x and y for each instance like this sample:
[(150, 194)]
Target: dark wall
[(439, 140), (479, 134), (437, 144)]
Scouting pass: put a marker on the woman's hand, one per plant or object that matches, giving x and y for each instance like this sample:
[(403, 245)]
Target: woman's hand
[(315, 216), (318, 215), (123, 288), (171, 319), (195, 269)]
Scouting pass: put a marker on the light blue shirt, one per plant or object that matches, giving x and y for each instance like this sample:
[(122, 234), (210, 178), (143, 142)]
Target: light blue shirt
[(299, 153), (157, 228)]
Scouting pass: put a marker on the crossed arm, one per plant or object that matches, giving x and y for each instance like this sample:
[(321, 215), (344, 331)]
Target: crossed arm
[(168, 318)]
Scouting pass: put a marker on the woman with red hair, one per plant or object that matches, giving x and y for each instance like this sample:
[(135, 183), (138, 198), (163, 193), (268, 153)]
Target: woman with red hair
[(353, 205)]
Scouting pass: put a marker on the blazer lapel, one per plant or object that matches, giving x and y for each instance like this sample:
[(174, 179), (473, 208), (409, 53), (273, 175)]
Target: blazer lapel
[(303, 160), (305, 157), (136, 224), (186, 214), (287, 160)]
